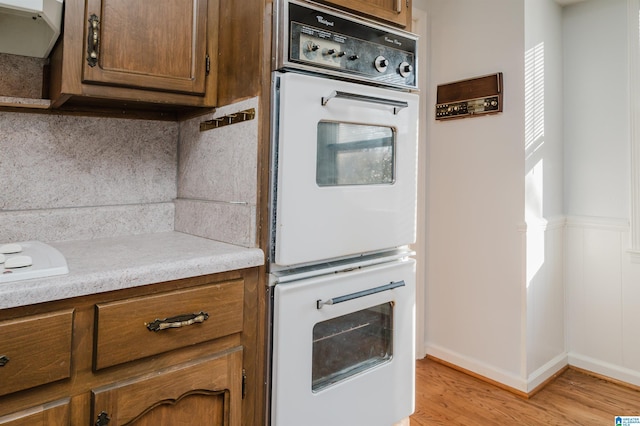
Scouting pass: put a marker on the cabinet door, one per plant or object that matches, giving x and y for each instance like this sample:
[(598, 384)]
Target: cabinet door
[(392, 11), (152, 44), (51, 414), (203, 392)]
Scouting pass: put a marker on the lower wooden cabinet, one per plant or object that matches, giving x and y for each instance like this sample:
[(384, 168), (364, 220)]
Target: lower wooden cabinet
[(102, 360), (203, 392), (53, 414)]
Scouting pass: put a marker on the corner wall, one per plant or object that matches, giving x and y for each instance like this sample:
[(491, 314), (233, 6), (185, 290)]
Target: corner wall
[(475, 313)]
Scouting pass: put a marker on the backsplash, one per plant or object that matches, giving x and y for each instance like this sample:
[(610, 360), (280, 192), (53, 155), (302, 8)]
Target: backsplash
[(217, 174), (68, 177)]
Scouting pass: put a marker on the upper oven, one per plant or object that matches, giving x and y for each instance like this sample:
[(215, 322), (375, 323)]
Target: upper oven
[(344, 136), (345, 169)]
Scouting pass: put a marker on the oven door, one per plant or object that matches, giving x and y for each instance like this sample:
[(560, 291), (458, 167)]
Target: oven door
[(345, 169), (343, 348)]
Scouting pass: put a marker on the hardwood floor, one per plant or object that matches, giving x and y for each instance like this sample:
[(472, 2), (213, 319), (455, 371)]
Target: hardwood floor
[(445, 396)]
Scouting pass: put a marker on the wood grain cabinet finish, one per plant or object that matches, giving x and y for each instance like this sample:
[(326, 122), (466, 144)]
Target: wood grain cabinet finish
[(154, 44), (35, 350), (92, 360), (153, 52), (52, 414), (123, 327), (204, 392), (396, 12)]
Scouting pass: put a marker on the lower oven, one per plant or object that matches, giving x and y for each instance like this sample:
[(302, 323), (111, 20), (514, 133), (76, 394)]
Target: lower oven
[(343, 347)]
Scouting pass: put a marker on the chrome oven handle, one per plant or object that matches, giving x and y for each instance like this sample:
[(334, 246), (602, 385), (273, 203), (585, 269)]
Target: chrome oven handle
[(358, 294), (397, 105)]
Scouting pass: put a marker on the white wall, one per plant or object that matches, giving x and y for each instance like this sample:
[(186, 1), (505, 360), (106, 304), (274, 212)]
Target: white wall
[(596, 109), (475, 215), (543, 138), (603, 283), (512, 301)]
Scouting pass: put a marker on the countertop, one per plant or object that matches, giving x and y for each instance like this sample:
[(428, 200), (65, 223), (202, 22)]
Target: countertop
[(106, 264)]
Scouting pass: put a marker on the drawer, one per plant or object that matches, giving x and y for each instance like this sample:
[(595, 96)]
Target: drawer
[(124, 328), (35, 350), (51, 414)]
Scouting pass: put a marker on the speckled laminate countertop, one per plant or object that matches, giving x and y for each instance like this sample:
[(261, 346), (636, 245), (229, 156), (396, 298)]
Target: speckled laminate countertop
[(107, 264)]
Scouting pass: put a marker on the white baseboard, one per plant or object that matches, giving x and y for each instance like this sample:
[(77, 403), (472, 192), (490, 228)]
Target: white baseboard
[(547, 371), (485, 370), (506, 378), (606, 369)]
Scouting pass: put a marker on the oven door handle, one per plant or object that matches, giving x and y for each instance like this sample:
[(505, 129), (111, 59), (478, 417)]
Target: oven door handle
[(397, 105), (358, 294)]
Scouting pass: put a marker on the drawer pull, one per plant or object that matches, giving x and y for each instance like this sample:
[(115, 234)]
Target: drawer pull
[(3, 360), (178, 321), (103, 419)]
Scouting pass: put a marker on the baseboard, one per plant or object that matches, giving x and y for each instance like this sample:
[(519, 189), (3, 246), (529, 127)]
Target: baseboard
[(521, 387), (488, 373), (545, 374), (605, 370), (539, 378)]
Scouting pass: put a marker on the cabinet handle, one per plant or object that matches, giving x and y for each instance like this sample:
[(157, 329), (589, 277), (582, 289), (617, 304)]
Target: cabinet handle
[(398, 6), (93, 41), (3, 360), (103, 419), (177, 321)]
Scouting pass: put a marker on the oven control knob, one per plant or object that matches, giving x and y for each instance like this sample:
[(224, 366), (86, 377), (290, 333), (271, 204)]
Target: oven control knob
[(354, 57), (312, 47), (381, 63), (405, 69)]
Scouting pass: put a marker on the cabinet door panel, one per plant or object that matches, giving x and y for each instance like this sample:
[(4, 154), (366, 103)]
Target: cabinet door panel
[(52, 414), (189, 394), (155, 44)]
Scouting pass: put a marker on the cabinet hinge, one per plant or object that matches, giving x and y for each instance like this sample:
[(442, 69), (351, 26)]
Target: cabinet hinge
[(207, 62), (244, 383), (407, 4)]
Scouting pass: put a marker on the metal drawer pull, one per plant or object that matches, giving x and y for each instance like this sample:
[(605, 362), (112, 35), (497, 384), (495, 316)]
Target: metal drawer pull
[(177, 321), (397, 105), (358, 294), (4, 360)]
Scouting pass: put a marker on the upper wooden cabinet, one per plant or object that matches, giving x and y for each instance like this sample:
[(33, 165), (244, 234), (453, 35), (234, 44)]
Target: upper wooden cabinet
[(154, 44), (116, 53), (396, 12)]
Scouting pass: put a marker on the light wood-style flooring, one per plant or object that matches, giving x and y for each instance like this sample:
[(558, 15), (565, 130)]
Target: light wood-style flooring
[(445, 396)]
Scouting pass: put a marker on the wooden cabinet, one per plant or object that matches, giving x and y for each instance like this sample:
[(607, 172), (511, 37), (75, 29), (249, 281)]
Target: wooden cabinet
[(147, 54), (35, 350), (51, 414), (181, 318), (159, 59), (205, 392), (152, 44), (396, 12), (171, 353)]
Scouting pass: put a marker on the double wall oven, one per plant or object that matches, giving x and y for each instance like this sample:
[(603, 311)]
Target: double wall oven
[(343, 212)]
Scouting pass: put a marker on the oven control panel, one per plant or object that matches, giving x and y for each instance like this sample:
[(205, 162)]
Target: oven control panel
[(331, 42)]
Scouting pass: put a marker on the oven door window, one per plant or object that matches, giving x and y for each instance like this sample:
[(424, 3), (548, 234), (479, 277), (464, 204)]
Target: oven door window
[(355, 154), (347, 345)]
